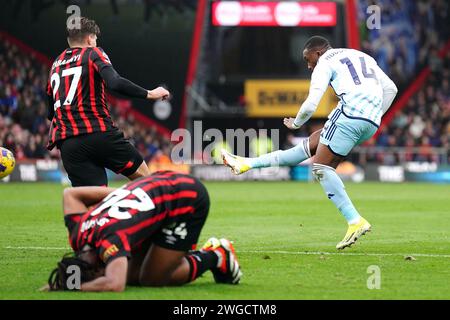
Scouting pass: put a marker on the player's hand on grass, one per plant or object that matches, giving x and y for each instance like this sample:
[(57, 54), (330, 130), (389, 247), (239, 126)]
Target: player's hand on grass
[(289, 122), (158, 93)]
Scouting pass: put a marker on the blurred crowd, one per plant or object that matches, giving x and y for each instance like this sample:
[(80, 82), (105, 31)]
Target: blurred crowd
[(154, 147), (410, 34), (23, 103), (23, 112), (423, 124)]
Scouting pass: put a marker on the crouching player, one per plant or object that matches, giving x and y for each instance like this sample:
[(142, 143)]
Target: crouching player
[(142, 234)]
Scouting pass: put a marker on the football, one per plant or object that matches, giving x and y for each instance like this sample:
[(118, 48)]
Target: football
[(7, 162)]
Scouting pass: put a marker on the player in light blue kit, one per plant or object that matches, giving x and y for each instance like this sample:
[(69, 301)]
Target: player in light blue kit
[(365, 93)]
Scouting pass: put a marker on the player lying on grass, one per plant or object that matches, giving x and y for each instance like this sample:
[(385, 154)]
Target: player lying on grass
[(142, 234), (365, 93)]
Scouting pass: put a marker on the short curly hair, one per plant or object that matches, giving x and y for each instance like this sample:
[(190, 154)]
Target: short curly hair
[(84, 28), (316, 42), (59, 276)]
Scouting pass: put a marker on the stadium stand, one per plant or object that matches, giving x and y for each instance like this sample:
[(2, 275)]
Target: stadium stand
[(153, 147), (23, 109), (413, 32), (418, 132)]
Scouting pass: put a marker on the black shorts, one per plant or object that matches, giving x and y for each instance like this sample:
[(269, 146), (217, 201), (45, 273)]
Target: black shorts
[(181, 232), (85, 157)]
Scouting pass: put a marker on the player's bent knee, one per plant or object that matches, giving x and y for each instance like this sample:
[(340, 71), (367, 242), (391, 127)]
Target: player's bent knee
[(316, 173), (319, 170), (146, 280), (154, 278), (151, 283)]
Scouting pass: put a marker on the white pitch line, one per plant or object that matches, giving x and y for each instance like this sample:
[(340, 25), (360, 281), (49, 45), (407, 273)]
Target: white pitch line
[(37, 248), (317, 253)]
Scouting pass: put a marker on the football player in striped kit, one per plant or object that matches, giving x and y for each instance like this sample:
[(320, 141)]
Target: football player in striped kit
[(144, 234), (81, 126)]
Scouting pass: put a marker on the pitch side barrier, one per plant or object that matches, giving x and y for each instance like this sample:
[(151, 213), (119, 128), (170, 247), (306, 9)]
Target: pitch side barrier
[(52, 171)]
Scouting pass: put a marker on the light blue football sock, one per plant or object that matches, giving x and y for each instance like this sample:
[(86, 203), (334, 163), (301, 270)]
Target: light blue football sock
[(335, 190), (289, 157)]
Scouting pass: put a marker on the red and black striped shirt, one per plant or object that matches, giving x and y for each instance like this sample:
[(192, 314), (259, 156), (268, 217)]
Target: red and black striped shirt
[(78, 93), (132, 214)]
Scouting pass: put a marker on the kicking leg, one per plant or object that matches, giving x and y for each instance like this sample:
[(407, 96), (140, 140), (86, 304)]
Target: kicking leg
[(290, 157)]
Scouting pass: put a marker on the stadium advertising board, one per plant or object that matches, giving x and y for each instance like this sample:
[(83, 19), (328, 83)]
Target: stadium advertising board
[(52, 171), (281, 98), (281, 14), (43, 170), (35, 170), (222, 173), (409, 171)]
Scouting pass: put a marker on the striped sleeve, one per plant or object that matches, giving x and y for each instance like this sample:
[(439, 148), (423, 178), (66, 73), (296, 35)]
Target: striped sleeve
[(114, 246), (100, 59)]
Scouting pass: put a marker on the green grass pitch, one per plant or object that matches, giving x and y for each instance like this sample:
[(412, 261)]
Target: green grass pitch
[(284, 233)]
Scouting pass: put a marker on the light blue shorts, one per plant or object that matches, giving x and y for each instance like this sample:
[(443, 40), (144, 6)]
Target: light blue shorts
[(341, 132)]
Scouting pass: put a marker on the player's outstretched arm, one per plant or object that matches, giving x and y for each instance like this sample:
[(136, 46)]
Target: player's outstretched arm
[(115, 278), (128, 88), (76, 200)]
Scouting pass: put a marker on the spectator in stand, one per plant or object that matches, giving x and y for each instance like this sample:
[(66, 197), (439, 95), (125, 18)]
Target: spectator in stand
[(424, 123), (409, 31), (411, 34)]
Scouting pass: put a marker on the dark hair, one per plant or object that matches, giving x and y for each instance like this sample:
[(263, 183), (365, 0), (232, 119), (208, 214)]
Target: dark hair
[(316, 42), (76, 33), (59, 276)]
